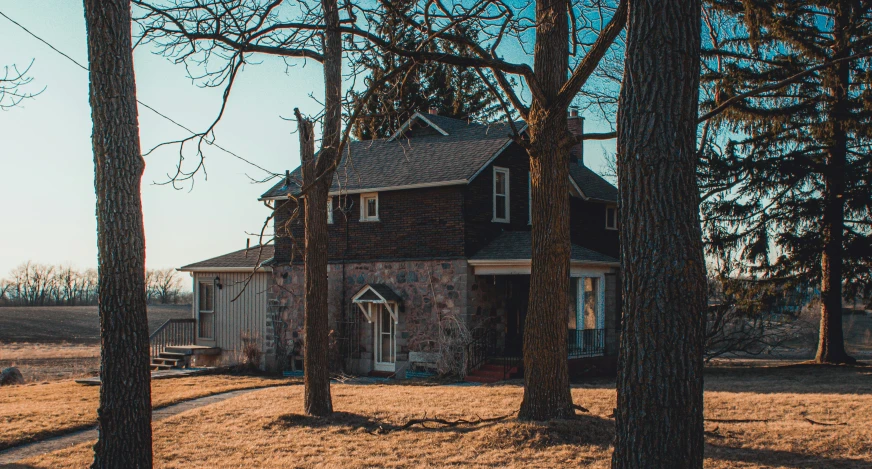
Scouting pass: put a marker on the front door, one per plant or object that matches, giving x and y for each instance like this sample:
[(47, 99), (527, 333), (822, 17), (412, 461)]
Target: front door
[(385, 338), (517, 298)]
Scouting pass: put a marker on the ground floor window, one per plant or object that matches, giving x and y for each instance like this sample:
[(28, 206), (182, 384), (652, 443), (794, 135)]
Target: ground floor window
[(586, 319), (206, 309)]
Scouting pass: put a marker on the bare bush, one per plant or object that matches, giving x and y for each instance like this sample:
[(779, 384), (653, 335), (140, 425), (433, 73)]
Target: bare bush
[(251, 352), (753, 317)]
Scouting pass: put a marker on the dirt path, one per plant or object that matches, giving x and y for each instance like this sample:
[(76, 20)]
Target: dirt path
[(49, 445)]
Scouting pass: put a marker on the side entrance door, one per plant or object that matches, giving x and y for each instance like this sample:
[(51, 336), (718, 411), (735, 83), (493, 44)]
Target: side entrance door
[(385, 338)]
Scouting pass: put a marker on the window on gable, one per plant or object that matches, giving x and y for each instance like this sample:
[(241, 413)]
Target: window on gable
[(611, 218), (501, 194), (369, 207), (329, 209)]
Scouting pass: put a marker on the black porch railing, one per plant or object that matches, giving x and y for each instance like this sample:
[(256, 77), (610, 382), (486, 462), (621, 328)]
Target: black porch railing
[(584, 343), (482, 347), (174, 332)]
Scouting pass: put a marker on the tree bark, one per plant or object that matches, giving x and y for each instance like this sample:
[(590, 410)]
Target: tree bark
[(316, 395), (659, 419), (831, 343), (546, 374), (124, 414), (318, 175)]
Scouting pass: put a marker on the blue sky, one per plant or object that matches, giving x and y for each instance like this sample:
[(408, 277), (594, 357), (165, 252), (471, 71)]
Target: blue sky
[(47, 180)]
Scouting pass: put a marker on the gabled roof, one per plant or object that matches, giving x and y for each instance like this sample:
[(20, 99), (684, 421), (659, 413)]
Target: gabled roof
[(242, 260), (452, 153), (518, 245)]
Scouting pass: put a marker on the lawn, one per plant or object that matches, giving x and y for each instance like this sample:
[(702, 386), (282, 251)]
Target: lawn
[(36, 411), (813, 417)]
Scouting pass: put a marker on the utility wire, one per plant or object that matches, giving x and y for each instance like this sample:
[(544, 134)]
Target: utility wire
[(177, 124)]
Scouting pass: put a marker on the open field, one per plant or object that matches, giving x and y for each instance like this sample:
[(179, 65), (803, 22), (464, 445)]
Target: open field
[(58, 342), (36, 411), (72, 324), (41, 362), (266, 428)]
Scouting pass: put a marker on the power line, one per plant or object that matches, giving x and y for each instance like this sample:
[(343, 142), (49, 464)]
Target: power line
[(138, 101)]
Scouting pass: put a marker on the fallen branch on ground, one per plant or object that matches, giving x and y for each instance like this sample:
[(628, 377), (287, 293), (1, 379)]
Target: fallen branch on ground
[(382, 430), (826, 424), (738, 420), (580, 408)]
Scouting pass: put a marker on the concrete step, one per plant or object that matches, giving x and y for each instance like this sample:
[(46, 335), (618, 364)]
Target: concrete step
[(167, 361), (481, 379), (172, 355), (160, 366), (495, 375)]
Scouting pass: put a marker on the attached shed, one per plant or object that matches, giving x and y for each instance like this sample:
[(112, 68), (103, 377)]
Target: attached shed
[(231, 304)]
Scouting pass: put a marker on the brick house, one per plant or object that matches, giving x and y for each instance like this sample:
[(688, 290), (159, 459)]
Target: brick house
[(429, 241)]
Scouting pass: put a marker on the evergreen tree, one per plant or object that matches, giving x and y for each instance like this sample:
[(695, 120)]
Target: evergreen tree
[(796, 170), (454, 91)]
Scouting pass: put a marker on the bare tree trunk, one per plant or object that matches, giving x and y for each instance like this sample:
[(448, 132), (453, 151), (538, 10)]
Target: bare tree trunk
[(316, 396), (318, 176), (659, 419), (831, 343), (124, 415), (546, 374)]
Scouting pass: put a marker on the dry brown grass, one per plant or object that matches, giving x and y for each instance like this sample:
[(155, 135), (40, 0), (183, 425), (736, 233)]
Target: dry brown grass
[(36, 411), (266, 428), (42, 362)]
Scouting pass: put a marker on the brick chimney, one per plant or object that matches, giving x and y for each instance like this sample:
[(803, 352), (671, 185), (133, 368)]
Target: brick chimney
[(576, 127), (433, 110)]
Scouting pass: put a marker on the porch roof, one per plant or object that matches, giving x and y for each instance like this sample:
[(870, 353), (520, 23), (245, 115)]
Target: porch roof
[(244, 260), (376, 293), (518, 246)]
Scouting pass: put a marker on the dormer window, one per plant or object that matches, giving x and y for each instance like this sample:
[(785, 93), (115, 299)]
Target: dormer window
[(611, 218), (501, 194), (369, 206)]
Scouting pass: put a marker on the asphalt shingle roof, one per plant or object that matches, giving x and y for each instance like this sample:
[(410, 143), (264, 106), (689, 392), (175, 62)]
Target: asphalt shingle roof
[(516, 245), (244, 258), (385, 291), (430, 157)]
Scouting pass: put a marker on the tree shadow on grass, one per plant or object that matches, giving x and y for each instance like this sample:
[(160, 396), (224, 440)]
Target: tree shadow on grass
[(582, 430), (778, 458), (798, 378)]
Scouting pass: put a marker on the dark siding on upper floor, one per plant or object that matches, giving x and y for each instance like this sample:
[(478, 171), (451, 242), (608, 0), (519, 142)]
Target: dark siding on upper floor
[(478, 200), (413, 224)]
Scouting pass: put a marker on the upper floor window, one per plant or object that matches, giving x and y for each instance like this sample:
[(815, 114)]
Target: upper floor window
[(611, 218), (501, 194), (329, 209), (369, 206)]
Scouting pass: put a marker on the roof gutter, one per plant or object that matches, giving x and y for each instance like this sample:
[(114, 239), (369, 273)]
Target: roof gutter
[(455, 182), (225, 269)]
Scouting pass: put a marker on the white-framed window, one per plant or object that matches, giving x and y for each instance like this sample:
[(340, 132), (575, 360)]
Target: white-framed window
[(501, 194), (611, 217), (206, 309), (329, 210), (369, 206), (529, 198)]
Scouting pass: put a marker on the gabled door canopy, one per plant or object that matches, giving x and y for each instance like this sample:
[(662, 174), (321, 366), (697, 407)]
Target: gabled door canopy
[(377, 293)]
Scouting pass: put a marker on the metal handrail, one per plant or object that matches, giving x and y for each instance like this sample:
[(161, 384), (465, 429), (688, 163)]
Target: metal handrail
[(480, 348), (174, 332), (583, 343)]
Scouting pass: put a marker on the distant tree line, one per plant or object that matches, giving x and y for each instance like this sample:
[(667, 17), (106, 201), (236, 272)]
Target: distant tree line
[(34, 284)]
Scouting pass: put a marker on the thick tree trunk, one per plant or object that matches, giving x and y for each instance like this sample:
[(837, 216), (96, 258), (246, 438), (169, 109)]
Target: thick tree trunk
[(831, 343), (316, 371), (124, 415), (659, 419), (546, 375), (318, 177)]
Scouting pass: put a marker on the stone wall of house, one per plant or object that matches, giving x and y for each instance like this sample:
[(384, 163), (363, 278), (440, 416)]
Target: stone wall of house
[(431, 291)]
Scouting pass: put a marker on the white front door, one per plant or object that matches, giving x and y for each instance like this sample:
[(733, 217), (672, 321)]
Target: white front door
[(384, 338)]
